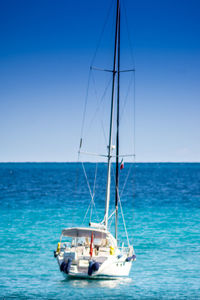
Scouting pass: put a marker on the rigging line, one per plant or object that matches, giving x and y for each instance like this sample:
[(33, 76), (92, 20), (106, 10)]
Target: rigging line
[(107, 70), (129, 70), (124, 220), (94, 189), (104, 134), (112, 218), (98, 107), (98, 219), (84, 112), (124, 155), (103, 119), (93, 154), (122, 213), (134, 116), (99, 69), (94, 83), (86, 212), (87, 181), (82, 128), (91, 212), (111, 215), (102, 32), (128, 32), (101, 101), (131, 165), (127, 94), (134, 189), (134, 144), (92, 198), (94, 186), (126, 179)]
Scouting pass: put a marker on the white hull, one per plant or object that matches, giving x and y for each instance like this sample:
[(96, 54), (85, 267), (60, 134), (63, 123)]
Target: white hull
[(111, 272), (112, 268)]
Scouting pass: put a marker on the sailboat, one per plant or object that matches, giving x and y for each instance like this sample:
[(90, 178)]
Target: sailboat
[(93, 252)]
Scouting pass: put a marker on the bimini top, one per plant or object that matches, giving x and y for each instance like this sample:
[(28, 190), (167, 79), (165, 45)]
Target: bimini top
[(85, 232)]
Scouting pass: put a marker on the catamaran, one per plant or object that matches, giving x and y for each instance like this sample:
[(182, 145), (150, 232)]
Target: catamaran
[(93, 252)]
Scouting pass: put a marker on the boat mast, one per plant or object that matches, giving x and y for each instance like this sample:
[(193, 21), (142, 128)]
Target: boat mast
[(117, 135), (111, 121)]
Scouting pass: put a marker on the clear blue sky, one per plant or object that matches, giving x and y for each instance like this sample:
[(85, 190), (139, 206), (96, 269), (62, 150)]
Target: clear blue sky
[(45, 54)]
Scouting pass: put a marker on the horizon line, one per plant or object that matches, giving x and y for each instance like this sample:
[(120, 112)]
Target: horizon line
[(94, 162)]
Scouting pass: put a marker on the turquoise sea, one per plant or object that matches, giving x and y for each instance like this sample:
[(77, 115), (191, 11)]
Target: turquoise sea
[(161, 204)]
